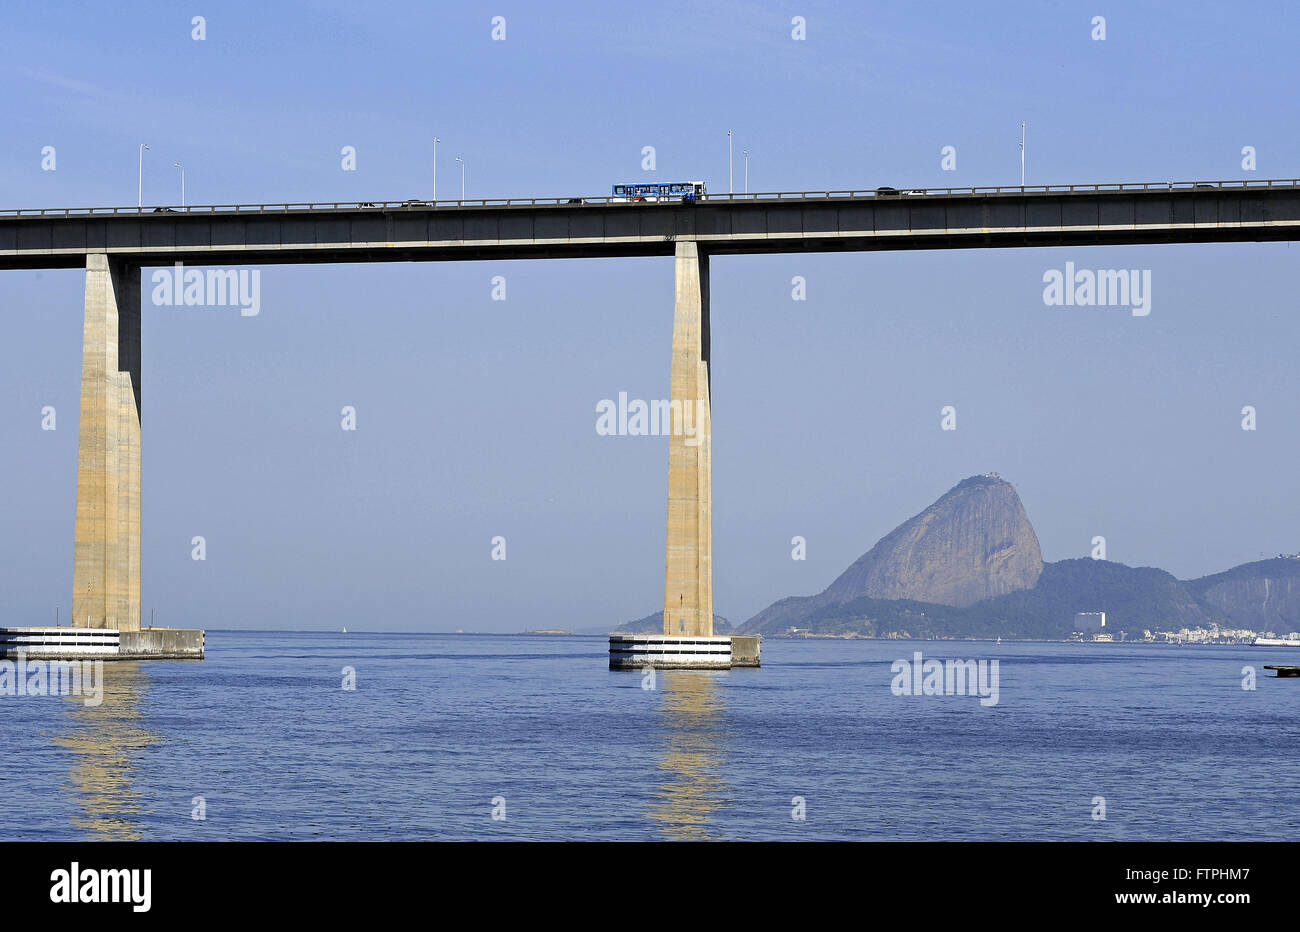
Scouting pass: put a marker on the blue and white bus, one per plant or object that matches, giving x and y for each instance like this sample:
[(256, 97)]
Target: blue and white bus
[(672, 191)]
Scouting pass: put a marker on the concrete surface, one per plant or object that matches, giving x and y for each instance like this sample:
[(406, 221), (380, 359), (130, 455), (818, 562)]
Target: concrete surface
[(106, 552), (745, 651), (162, 644), (688, 574)]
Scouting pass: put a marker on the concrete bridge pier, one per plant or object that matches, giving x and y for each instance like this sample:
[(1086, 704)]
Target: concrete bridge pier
[(688, 639), (106, 561), (688, 582)]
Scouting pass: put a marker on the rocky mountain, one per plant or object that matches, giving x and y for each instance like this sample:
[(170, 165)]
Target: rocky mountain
[(969, 566), (1133, 598), (1262, 596), (973, 544)]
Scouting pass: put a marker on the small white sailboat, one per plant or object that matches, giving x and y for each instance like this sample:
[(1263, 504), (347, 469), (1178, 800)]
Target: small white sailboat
[(345, 630)]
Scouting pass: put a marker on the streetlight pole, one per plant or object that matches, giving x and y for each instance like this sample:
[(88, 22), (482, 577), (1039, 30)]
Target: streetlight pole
[(139, 188), (731, 188), (746, 153), (436, 140), (1022, 153), (462, 178), (182, 168)]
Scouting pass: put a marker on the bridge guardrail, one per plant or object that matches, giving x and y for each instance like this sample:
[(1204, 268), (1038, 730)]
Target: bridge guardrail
[(410, 204)]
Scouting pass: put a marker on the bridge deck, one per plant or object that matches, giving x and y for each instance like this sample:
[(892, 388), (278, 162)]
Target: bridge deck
[(556, 228)]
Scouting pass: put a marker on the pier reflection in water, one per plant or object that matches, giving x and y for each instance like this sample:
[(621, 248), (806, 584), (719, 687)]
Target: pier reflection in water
[(693, 731), (106, 743)]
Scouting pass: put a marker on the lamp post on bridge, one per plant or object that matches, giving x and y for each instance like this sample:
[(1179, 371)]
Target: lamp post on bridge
[(1022, 153), (462, 178), (182, 168), (139, 187), (436, 140), (731, 187), (746, 154)]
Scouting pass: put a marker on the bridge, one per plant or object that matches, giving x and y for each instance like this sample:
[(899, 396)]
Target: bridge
[(114, 244), (544, 228)]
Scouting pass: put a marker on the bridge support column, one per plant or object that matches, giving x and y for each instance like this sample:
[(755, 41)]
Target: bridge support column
[(688, 585), (106, 560)]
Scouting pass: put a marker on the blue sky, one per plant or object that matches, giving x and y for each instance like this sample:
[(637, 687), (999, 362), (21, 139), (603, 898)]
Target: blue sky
[(476, 417)]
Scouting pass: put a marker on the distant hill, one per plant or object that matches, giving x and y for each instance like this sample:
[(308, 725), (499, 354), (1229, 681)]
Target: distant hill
[(973, 544), (1133, 598), (1262, 596), (654, 624)]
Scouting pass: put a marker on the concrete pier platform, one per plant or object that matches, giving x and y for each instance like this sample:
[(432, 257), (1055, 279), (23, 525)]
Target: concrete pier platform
[(102, 644), (162, 644), (51, 643), (668, 652), (680, 652), (745, 651)]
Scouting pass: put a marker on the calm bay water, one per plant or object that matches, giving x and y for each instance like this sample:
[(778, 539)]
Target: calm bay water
[(440, 725)]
